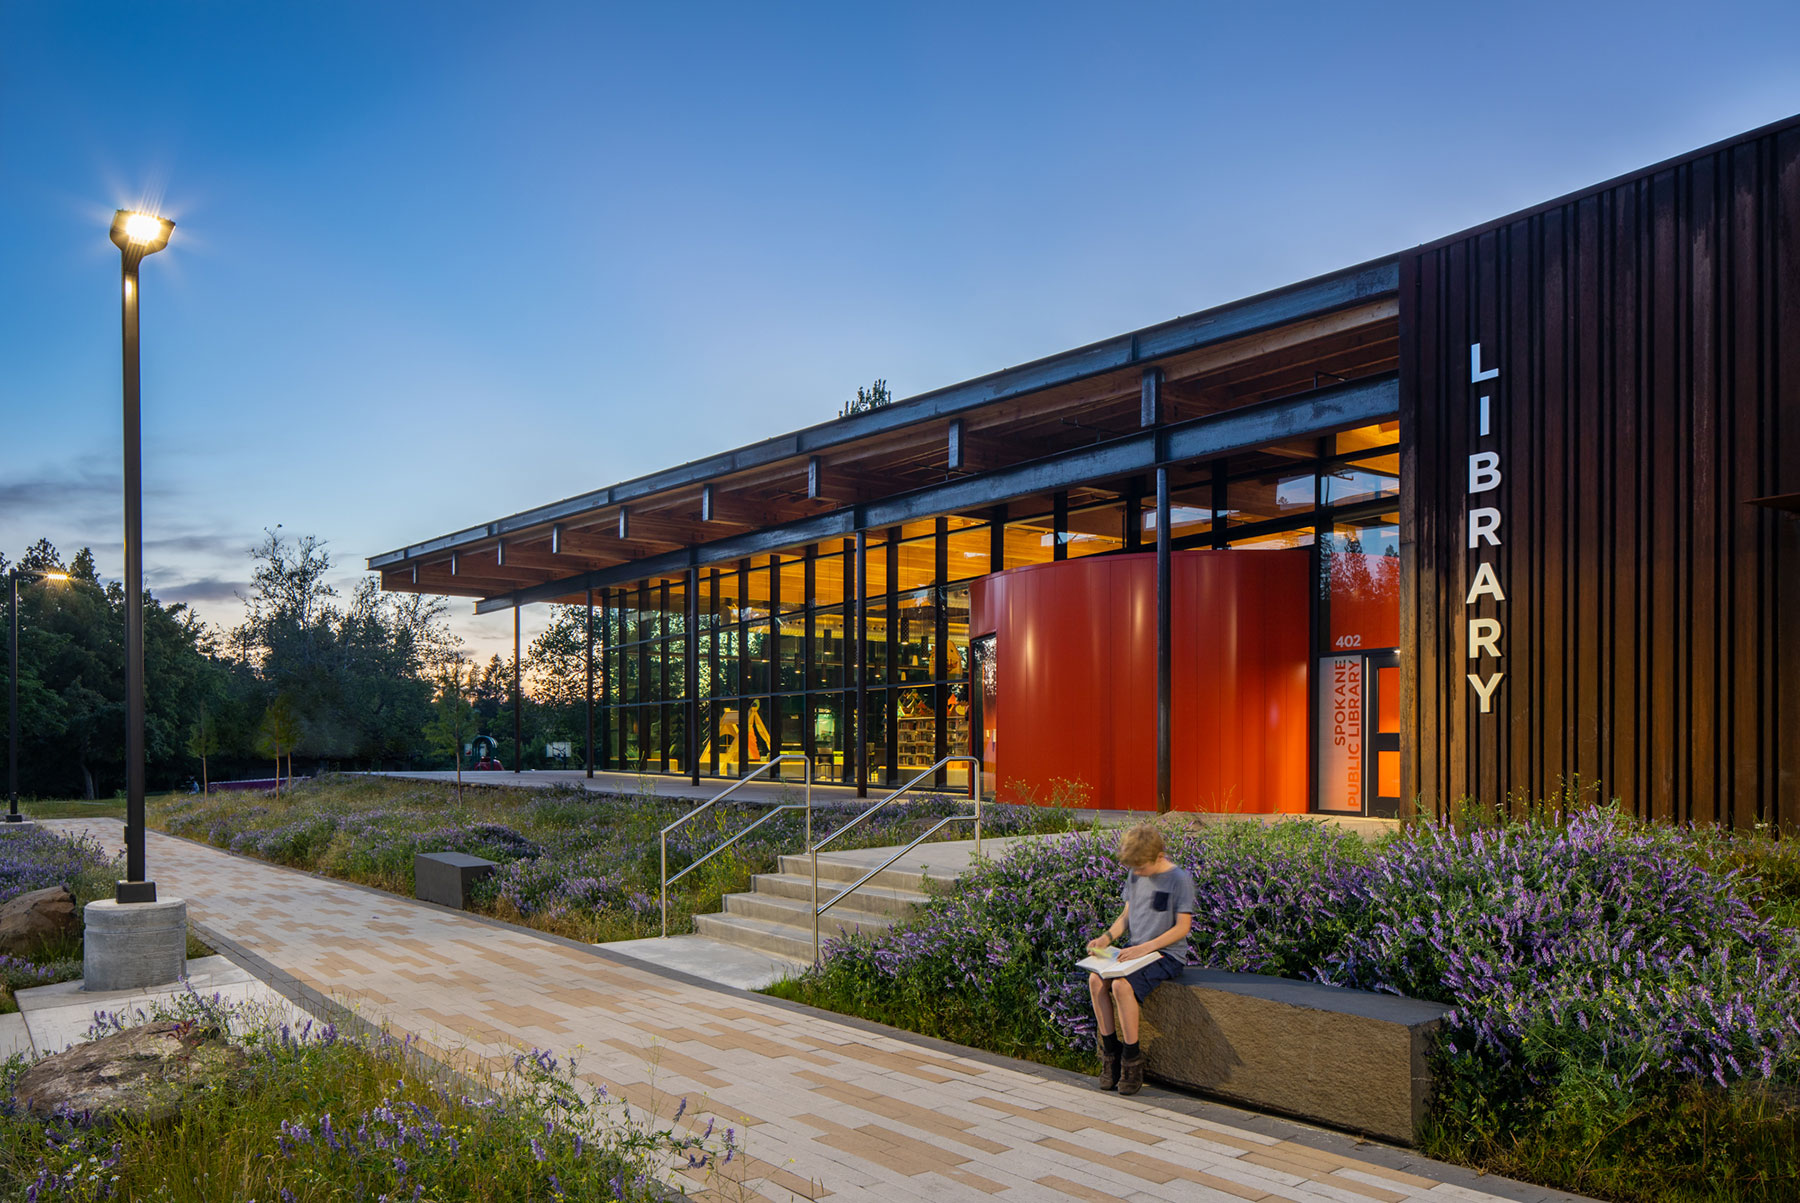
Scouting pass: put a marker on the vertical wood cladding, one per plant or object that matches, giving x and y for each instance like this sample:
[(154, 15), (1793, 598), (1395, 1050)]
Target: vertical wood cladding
[(1647, 336)]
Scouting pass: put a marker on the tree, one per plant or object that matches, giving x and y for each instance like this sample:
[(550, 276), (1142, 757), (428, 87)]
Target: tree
[(453, 718), (278, 733), (556, 673), (874, 397), (71, 680), (203, 741), (358, 675)]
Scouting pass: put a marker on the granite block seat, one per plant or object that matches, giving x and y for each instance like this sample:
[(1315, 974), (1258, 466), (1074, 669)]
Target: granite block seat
[(1347, 1058), (445, 877)]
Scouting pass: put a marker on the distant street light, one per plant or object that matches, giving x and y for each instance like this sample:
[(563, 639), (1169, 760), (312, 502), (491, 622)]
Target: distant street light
[(12, 707), (136, 235)]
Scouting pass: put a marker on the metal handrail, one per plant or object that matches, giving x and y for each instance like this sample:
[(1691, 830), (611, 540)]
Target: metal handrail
[(746, 779), (813, 849)]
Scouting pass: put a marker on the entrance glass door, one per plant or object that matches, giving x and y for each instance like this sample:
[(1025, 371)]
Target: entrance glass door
[(1382, 671), (984, 706)]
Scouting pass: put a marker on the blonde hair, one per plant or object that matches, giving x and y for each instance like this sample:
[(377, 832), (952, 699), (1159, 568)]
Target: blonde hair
[(1141, 845)]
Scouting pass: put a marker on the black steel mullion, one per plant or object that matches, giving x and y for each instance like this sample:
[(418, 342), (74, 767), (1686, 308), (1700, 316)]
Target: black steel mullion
[(691, 670), (743, 667), (712, 675), (892, 693), (809, 648), (940, 659), (862, 663), (663, 709), (643, 658), (772, 648)]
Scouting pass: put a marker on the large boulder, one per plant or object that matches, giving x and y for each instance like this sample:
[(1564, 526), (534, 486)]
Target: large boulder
[(142, 1073), (31, 919)]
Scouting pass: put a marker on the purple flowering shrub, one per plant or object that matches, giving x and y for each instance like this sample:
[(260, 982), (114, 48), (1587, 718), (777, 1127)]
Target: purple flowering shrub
[(1598, 959), (996, 952), (1601, 959), (318, 1115), (37, 860)]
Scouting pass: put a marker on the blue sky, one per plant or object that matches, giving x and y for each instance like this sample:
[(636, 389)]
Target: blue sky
[(439, 262)]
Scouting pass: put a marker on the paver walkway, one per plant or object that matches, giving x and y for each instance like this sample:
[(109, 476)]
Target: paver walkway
[(829, 1110)]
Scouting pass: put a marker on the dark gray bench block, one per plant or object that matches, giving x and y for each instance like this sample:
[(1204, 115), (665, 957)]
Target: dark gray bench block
[(1347, 1058), (445, 877)]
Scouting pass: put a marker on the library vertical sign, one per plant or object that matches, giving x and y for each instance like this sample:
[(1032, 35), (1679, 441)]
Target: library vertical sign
[(1486, 660)]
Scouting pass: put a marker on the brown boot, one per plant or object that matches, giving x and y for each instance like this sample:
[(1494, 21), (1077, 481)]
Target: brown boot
[(1131, 1074), (1109, 1070)]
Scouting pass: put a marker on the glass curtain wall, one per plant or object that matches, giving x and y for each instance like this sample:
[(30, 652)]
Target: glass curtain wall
[(776, 636)]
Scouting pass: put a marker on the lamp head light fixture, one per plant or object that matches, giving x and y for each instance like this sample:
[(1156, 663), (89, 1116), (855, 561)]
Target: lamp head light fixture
[(140, 233)]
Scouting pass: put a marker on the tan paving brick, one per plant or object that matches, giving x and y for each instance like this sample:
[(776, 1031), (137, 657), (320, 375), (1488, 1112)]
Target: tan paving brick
[(827, 1111)]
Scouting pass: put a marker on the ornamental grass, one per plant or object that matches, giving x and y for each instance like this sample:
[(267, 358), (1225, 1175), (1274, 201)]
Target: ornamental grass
[(319, 1116), (1623, 997)]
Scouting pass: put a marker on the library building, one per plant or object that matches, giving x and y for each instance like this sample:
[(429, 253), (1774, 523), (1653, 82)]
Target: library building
[(1508, 513)]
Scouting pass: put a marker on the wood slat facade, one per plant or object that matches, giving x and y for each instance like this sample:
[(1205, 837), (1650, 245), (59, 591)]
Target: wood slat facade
[(1646, 335)]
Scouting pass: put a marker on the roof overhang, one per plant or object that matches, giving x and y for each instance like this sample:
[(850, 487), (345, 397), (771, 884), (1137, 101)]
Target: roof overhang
[(1249, 370)]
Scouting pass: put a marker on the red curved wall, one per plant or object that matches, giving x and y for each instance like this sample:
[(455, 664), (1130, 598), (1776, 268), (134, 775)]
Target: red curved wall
[(1075, 653)]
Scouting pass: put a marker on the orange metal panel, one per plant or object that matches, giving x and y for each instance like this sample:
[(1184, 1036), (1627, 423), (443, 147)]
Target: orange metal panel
[(1075, 652)]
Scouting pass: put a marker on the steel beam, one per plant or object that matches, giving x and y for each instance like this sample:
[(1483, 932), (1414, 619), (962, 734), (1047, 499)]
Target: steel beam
[(1310, 414)]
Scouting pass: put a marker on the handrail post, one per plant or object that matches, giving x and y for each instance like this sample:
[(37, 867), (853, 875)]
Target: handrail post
[(665, 885), (975, 788)]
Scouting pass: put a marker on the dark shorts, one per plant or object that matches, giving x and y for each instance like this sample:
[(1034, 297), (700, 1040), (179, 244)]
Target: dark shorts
[(1163, 969)]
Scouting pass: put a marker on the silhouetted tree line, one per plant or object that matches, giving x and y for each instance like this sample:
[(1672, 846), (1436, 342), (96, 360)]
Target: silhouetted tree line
[(308, 680)]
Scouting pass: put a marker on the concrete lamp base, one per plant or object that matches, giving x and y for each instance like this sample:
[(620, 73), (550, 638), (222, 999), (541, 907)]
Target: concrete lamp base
[(135, 944), (12, 826)]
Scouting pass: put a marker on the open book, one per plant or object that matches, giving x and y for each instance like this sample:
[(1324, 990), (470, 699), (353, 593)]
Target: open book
[(1106, 963)]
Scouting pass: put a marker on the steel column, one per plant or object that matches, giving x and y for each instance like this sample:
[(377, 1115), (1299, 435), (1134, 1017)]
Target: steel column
[(862, 663), (1163, 633), (518, 708), (590, 682)]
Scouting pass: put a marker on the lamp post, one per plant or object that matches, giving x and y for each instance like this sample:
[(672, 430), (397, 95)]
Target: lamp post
[(136, 235), (12, 706)]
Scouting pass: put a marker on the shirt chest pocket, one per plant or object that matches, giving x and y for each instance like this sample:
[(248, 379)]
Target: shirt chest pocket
[(1160, 901)]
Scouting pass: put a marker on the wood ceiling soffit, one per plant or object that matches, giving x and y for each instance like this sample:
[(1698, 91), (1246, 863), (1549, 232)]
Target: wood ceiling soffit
[(1181, 367), (484, 564), (486, 586)]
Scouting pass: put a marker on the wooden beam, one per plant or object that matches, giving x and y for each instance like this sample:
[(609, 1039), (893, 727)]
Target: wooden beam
[(485, 563), (718, 506), (607, 547), (838, 485), (464, 585)]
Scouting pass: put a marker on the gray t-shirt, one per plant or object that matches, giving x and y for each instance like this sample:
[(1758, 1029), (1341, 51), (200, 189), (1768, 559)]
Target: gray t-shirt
[(1154, 901)]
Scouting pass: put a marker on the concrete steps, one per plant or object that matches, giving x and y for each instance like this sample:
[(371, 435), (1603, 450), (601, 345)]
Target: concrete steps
[(775, 914)]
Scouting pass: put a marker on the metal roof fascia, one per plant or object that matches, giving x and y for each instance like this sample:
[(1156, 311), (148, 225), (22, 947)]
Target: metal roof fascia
[(1322, 294), (1322, 411)]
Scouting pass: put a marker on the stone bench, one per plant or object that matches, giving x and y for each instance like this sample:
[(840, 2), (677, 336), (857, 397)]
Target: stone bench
[(1347, 1058), (445, 877)]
